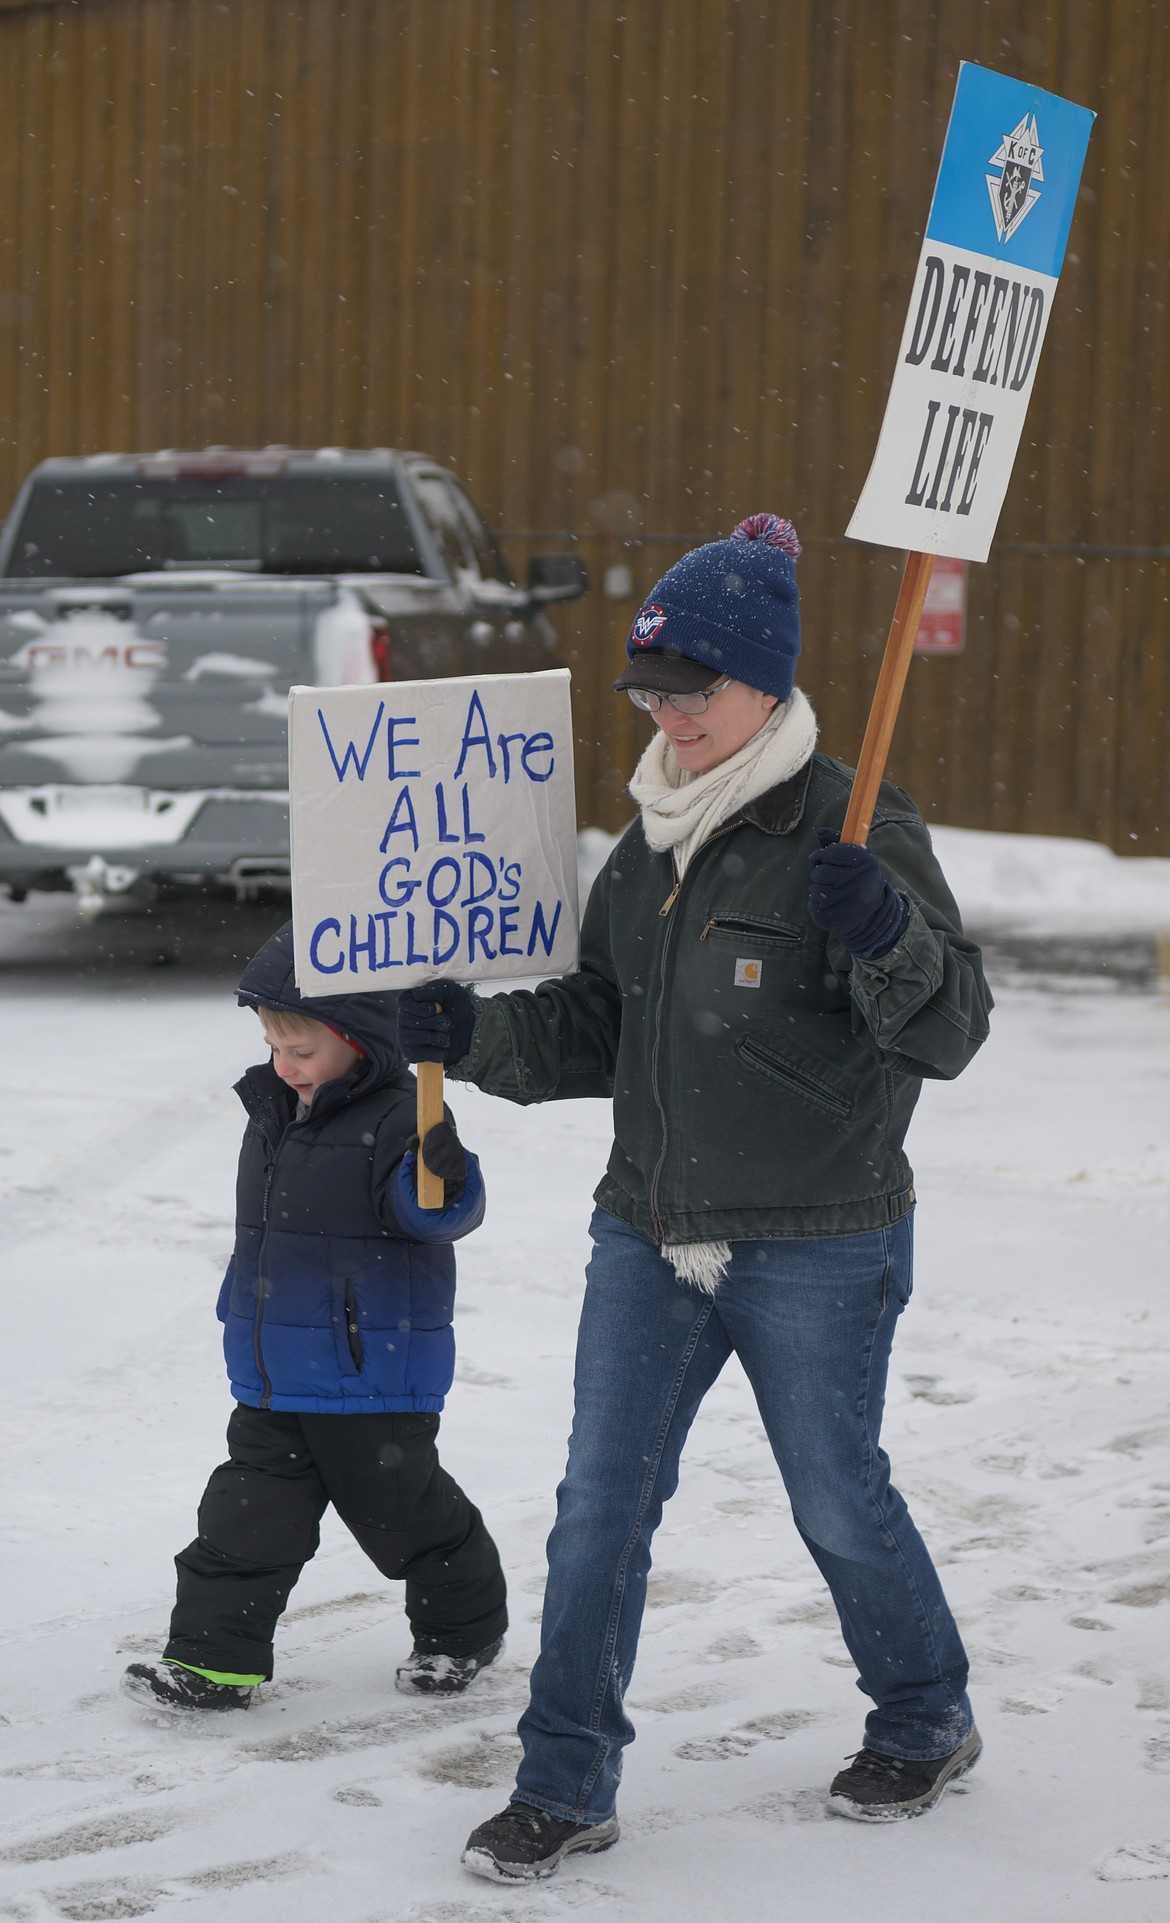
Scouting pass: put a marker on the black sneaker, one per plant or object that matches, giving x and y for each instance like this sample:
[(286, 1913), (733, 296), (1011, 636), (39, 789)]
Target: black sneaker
[(169, 1687), (880, 1789), (525, 1845), (425, 1673)]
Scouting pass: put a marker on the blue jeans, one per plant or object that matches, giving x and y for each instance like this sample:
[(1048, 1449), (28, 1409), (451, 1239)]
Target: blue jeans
[(812, 1321)]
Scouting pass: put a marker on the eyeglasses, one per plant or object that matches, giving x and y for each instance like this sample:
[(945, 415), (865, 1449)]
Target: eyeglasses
[(650, 701)]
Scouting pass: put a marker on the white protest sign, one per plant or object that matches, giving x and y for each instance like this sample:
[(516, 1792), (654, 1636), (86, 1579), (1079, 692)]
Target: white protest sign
[(433, 831), (995, 241)]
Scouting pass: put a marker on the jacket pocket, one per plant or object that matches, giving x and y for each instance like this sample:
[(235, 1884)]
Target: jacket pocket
[(352, 1331), (766, 935), (347, 1335), (797, 1077)]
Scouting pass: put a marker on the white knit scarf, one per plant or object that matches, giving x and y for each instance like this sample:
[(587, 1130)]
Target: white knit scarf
[(681, 811)]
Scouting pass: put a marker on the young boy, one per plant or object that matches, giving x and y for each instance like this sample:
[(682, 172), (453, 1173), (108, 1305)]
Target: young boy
[(337, 1310)]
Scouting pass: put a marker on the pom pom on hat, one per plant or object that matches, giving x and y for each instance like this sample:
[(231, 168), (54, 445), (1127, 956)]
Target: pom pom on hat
[(771, 528)]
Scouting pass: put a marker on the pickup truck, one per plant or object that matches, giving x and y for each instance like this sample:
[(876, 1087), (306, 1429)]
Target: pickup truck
[(156, 608)]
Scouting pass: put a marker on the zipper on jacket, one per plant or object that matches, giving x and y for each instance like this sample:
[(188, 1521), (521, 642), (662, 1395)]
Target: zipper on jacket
[(726, 829), (751, 930), (261, 1278), (352, 1329), (665, 909), (261, 1292)]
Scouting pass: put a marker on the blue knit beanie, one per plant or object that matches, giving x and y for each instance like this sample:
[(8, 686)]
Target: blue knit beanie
[(731, 607)]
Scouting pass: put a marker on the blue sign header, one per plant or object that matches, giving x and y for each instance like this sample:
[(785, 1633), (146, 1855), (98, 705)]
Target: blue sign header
[(1010, 169)]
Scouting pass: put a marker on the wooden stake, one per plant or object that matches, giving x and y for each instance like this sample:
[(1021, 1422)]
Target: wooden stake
[(887, 698), (430, 1112)]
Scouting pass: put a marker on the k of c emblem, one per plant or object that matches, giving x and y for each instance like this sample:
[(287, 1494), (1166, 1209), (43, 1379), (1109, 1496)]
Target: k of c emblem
[(1013, 196)]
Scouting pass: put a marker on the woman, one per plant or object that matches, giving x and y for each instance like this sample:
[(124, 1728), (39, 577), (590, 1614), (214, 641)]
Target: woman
[(762, 1004)]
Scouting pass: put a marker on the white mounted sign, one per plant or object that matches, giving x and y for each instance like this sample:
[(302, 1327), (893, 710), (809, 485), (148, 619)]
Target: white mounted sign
[(433, 831), (995, 241)]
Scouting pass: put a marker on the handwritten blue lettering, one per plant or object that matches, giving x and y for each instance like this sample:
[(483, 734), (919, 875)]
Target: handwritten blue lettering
[(482, 740), (441, 813), (508, 920), (329, 927), (368, 947), (541, 930), (383, 922), (505, 757), (469, 833), (404, 806), (433, 885), (445, 924), (414, 955), (404, 888), (408, 741), (537, 744), (360, 761), (479, 927), (489, 879), (477, 735)]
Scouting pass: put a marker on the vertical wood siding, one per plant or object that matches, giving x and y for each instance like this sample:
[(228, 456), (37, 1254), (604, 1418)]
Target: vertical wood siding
[(634, 270)]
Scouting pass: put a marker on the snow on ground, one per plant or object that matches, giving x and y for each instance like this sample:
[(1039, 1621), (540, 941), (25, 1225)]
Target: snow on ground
[(1029, 1423)]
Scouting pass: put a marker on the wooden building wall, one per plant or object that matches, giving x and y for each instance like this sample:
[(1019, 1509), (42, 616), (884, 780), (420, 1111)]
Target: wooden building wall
[(635, 267)]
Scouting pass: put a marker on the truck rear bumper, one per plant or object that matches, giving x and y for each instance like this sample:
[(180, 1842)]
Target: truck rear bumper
[(48, 837)]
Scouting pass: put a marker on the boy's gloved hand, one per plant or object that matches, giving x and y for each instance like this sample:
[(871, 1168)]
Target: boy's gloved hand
[(850, 897), (463, 1190), (445, 1155), (435, 1022)]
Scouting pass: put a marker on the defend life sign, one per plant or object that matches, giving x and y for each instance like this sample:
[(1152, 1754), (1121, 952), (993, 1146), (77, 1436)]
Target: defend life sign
[(433, 831), (995, 241)]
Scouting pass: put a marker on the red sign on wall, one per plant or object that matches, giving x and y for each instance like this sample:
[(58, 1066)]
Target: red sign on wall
[(943, 627)]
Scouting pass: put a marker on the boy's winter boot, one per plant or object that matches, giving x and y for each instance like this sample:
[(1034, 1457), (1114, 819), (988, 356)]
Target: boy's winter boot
[(171, 1687), (425, 1673), (526, 1845), (880, 1789)]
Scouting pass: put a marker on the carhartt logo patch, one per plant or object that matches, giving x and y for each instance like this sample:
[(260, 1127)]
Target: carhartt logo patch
[(748, 973)]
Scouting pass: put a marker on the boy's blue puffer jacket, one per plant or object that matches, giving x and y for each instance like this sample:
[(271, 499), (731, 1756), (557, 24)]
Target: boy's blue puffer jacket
[(330, 1304)]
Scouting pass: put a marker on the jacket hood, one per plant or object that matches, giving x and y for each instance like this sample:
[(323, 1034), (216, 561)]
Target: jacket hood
[(369, 1021)]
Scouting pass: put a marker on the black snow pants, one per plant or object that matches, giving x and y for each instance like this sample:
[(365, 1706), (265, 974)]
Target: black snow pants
[(259, 1524)]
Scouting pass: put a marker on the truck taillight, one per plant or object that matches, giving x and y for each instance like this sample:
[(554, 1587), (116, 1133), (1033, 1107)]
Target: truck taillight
[(380, 647)]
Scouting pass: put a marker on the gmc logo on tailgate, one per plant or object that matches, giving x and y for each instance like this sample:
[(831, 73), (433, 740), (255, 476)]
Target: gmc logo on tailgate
[(133, 652)]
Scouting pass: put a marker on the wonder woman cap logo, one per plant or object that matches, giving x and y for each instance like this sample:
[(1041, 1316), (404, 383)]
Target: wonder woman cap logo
[(647, 623)]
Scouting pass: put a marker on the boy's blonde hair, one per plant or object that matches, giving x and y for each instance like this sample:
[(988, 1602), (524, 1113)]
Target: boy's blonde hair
[(283, 1023)]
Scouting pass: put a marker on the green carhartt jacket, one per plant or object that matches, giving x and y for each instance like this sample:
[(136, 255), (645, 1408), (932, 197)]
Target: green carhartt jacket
[(762, 1077)]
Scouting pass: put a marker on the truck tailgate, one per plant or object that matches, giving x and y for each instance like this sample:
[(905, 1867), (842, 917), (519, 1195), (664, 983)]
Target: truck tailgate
[(180, 685)]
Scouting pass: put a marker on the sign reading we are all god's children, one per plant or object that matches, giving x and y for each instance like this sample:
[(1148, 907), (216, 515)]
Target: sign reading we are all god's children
[(433, 831), (995, 242)]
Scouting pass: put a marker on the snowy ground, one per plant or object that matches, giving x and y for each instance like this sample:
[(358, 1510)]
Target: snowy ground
[(1029, 1424)]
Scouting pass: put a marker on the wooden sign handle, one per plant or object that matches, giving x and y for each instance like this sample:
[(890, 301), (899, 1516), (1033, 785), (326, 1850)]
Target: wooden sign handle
[(887, 698), (430, 1112)]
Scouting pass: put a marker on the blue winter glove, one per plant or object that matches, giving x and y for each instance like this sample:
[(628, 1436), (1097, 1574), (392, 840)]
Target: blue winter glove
[(435, 1022), (850, 897), (463, 1190)]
